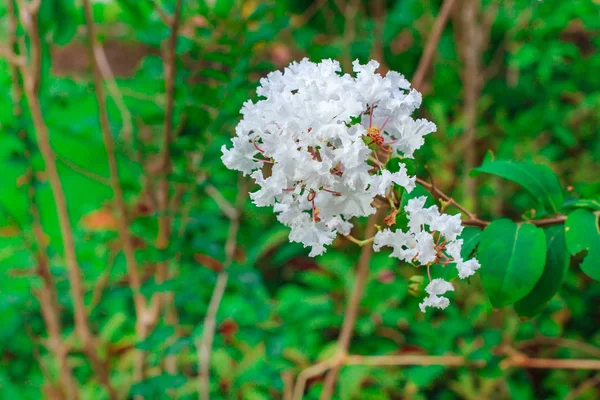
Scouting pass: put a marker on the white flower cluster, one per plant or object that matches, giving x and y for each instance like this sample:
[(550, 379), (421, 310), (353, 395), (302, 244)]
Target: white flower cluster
[(438, 244), (311, 143), (318, 143)]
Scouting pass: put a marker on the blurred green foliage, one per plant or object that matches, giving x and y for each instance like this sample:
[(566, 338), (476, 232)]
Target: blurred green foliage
[(540, 102)]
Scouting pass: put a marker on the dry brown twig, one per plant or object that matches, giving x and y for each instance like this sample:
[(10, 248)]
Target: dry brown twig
[(513, 360), (432, 44), (351, 312), (204, 345), (133, 273), (31, 76), (159, 301), (473, 219)]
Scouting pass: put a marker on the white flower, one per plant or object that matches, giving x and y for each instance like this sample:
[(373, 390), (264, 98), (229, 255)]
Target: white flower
[(310, 143), (467, 268), (435, 289), (418, 216), (432, 238), (449, 226), (425, 248), (404, 244)]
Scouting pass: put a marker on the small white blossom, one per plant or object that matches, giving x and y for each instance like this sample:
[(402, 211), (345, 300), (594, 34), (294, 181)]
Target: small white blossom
[(467, 268), (436, 289), (432, 238)]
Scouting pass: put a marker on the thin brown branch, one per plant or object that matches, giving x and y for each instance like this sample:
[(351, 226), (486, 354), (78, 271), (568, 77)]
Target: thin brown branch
[(164, 220), (351, 312), (171, 315), (121, 207), (14, 59), (82, 171), (313, 371), (513, 360), (224, 205), (309, 13), (164, 17), (551, 363), (49, 305), (31, 75), (165, 300), (432, 44), (111, 84), (204, 345), (46, 294), (405, 360), (14, 68), (103, 281), (585, 385), (473, 219), (377, 48), (561, 342), (288, 385), (471, 41), (350, 13)]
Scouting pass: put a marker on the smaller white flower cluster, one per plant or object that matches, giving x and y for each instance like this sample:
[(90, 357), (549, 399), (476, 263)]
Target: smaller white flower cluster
[(432, 238)]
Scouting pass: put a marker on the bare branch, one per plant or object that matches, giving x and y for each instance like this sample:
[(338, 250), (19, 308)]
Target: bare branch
[(164, 221), (122, 222), (31, 76), (474, 220), (431, 44), (351, 313), (204, 345)]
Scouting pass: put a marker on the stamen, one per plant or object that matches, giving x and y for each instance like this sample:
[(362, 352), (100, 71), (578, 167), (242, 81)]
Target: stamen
[(256, 146), (386, 121), (333, 192), (264, 161)]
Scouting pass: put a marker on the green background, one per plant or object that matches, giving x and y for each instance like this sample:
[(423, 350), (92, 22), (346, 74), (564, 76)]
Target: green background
[(539, 100)]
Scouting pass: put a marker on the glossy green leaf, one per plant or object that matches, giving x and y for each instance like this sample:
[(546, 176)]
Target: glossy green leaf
[(68, 18), (222, 8), (538, 179), (557, 262), (471, 237), (582, 203), (583, 234), (512, 260)]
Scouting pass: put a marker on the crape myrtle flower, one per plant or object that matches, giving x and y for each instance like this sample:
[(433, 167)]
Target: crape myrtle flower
[(317, 144), (307, 145), (432, 238)]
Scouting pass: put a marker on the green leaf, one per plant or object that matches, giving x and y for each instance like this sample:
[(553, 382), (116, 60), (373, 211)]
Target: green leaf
[(583, 234), (538, 179), (557, 262), (512, 260), (157, 385), (223, 7), (158, 337), (581, 203), (471, 237), (68, 17)]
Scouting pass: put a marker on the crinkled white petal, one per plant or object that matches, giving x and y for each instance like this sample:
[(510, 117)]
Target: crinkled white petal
[(436, 288), (449, 226), (467, 268)]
